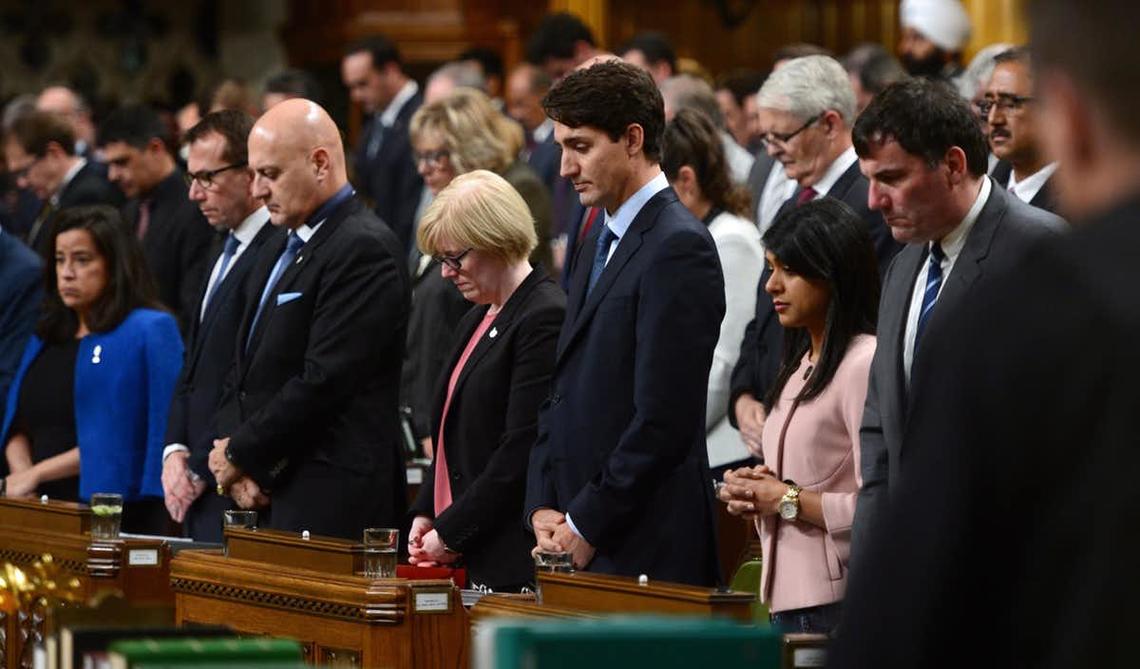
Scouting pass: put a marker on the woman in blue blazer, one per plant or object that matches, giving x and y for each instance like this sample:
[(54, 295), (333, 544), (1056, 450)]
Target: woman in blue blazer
[(87, 409)]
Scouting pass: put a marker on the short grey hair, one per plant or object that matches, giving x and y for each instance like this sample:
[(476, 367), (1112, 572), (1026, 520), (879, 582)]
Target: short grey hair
[(462, 74), (981, 68), (685, 91), (809, 86)]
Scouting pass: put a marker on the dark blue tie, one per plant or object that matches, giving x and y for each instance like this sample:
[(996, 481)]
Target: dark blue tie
[(228, 252), (601, 254), (283, 261), (933, 284)]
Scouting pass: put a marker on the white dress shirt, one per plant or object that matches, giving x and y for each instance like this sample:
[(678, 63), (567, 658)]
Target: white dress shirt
[(952, 245), (67, 178), (836, 169), (388, 116), (777, 189), (244, 232), (1027, 188)]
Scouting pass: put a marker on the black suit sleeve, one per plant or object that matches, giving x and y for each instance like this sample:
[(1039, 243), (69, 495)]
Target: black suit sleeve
[(497, 491), (17, 320), (678, 322), (358, 293)]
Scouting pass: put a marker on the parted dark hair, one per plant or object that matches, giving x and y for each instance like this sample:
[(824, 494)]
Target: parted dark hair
[(654, 45), (234, 126), (926, 118), (692, 139), (382, 50), (556, 36), (129, 282), (610, 96), (1094, 43), (36, 129), (297, 83), (825, 240), (135, 125)]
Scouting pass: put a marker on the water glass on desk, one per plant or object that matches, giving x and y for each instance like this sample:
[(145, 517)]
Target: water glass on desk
[(239, 518), (380, 545), (106, 516), (550, 562)]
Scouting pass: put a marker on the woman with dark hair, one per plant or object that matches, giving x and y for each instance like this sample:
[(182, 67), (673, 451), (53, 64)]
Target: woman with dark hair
[(825, 288), (87, 408), (693, 160)]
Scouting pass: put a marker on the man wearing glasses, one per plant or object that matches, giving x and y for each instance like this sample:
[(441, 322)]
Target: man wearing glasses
[(219, 181), (1008, 105), (807, 107), (40, 150), (174, 236)]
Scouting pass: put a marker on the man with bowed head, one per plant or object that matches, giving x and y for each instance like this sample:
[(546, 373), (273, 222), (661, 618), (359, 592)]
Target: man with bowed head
[(619, 472), (309, 416)]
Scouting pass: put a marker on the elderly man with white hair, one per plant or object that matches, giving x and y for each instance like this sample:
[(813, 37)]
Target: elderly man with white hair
[(934, 34), (807, 107)]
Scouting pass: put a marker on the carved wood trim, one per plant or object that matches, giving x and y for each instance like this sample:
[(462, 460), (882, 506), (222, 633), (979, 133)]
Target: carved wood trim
[(380, 612)]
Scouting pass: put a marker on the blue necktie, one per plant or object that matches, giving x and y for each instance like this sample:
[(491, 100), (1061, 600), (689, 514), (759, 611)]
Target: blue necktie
[(376, 137), (228, 252), (601, 254), (291, 248), (933, 283)]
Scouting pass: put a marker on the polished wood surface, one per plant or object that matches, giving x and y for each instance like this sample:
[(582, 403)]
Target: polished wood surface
[(280, 584), (138, 569)]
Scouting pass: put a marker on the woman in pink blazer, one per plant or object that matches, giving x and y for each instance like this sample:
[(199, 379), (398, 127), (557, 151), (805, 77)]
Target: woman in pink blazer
[(824, 285)]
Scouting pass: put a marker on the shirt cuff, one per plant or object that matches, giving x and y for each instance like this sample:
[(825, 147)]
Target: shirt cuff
[(174, 448), (573, 528)]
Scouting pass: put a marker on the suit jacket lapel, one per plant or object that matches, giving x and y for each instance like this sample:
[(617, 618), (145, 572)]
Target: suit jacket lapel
[(309, 251), (840, 188), (628, 246), (488, 341), (893, 322)]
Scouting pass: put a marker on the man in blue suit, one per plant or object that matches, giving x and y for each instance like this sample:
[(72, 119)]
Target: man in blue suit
[(20, 296), (220, 181), (619, 474)]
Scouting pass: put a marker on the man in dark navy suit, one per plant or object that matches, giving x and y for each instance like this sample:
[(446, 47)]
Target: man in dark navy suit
[(619, 473), (220, 184), (385, 172), (309, 416)]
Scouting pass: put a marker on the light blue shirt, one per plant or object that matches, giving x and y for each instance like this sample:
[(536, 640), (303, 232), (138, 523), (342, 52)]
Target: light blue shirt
[(619, 222)]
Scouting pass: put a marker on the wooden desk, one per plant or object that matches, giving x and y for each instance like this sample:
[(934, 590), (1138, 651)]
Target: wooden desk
[(139, 569), (280, 584), (583, 594)]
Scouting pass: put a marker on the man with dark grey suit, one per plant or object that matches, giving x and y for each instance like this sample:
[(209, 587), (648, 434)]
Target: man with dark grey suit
[(925, 157)]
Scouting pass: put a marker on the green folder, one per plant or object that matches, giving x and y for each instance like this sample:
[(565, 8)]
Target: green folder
[(135, 653), (641, 641)]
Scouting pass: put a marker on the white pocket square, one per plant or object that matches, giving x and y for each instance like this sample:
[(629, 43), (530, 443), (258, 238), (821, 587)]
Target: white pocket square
[(284, 298)]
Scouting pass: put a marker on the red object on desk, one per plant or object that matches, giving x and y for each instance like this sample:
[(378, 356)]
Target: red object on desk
[(412, 572)]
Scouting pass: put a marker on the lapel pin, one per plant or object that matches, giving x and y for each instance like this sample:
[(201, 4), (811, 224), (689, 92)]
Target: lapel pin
[(494, 333), (298, 260), (96, 355)]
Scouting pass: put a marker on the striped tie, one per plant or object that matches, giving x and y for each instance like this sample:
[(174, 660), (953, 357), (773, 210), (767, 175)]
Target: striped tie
[(933, 284)]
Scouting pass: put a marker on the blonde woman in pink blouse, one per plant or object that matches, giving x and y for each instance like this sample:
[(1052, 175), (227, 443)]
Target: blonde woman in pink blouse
[(824, 284)]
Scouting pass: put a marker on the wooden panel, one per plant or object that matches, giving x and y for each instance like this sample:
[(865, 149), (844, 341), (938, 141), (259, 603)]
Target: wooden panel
[(601, 593)]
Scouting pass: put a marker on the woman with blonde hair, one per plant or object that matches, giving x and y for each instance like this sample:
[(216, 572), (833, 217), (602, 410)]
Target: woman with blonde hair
[(452, 136), (484, 415)]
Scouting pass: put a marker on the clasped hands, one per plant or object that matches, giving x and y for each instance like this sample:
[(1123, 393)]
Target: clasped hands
[(553, 535), (752, 492), (244, 490), (425, 547)]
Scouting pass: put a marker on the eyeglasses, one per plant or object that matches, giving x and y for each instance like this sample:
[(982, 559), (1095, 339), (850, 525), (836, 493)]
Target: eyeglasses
[(22, 173), (784, 138), (205, 178), (432, 158), (1005, 102), (455, 262)]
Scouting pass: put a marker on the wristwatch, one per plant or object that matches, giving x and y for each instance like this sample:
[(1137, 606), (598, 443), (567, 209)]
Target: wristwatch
[(789, 505)]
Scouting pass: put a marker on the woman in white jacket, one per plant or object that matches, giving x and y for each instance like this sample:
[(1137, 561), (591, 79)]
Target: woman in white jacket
[(695, 165)]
